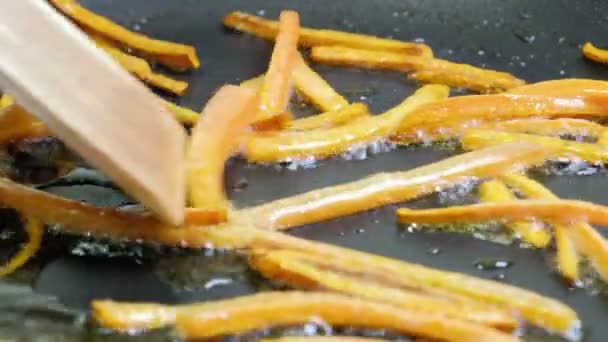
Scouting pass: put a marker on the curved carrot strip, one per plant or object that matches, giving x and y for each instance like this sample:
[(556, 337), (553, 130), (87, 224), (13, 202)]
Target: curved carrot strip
[(564, 211), (34, 231), (140, 68), (425, 69), (216, 136), (171, 54), (479, 138), (257, 311), (314, 88), (290, 267), (350, 113), (386, 188), (550, 127), (538, 310), (495, 191), (595, 54), (276, 88), (268, 29), (329, 142)]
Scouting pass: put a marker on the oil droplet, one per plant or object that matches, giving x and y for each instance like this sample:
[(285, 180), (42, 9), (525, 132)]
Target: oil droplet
[(499, 277), (215, 282), (525, 15), (262, 13), (481, 52), (341, 233), (492, 264), (561, 40), (136, 27), (434, 251), (562, 72), (522, 64), (240, 185), (359, 231), (419, 40)]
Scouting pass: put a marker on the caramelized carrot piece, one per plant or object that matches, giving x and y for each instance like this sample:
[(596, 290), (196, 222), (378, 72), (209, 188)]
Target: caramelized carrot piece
[(276, 88), (215, 137), (257, 311), (339, 117), (595, 54), (495, 191), (34, 230), (295, 269), (538, 310), (174, 55), (268, 29), (329, 142), (314, 88), (478, 138), (564, 211), (550, 127), (140, 68), (425, 69), (567, 255), (386, 188)]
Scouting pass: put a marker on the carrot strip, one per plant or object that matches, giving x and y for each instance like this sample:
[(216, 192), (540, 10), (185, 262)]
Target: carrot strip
[(589, 242), (565, 211), (290, 267), (564, 87), (140, 68), (595, 54), (550, 127), (495, 191), (16, 123), (34, 231), (287, 308), (6, 101), (425, 69), (541, 311), (322, 339), (339, 117), (386, 188), (329, 142), (184, 115), (314, 88), (174, 55), (276, 88), (214, 138), (268, 29), (478, 138), (254, 83)]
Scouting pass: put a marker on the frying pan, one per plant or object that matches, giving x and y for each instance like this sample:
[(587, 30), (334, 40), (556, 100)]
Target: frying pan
[(535, 40)]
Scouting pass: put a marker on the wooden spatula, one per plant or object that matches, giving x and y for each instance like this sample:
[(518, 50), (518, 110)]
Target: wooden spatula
[(92, 104)]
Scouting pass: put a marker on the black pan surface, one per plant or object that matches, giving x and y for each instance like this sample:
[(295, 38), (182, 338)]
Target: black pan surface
[(535, 40)]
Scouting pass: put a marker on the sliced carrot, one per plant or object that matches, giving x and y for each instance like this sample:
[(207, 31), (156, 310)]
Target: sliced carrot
[(329, 142), (339, 117), (254, 83), (387, 188), (479, 138), (592, 245), (563, 87), (314, 88), (34, 230), (16, 123), (268, 29), (277, 86), (6, 101), (564, 211), (215, 137), (550, 127), (292, 268), (595, 54), (184, 115), (425, 69), (174, 55), (495, 191), (257, 311)]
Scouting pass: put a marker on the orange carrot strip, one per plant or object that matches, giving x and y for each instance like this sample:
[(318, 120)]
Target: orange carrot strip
[(550, 127), (276, 88), (564, 211), (34, 230), (425, 69), (329, 142), (479, 138), (171, 54), (339, 117), (495, 191), (254, 83), (140, 68), (257, 311), (184, 115), (215, 137), (290, 267), (314, 88), (538, 310), (592, 245), (564, 87), (567, 256), (323, 339), (268, 29), (386, 188), (595, 54), (16, 123)]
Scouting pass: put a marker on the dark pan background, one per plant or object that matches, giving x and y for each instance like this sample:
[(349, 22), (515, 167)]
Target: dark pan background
[(535, 40)]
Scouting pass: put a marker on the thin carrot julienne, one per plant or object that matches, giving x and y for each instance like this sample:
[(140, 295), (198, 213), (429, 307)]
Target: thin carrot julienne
[(339, 117), (549, 127), (595, 54), (309, 37), (35, 231)]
